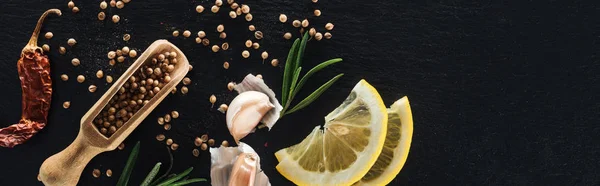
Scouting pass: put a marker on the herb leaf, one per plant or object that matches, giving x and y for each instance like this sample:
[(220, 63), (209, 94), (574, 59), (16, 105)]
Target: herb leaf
[(185, 182), (313, 96), (151, 175), (294, 81), (177, 177), (129, 165), (288, 70), (300, 53)]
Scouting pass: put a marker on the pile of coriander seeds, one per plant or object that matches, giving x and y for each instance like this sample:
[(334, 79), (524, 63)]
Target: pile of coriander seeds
[(142, 86)]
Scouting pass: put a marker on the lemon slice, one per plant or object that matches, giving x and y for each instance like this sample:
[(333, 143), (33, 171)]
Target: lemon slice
[(345, 149), (396, 146)]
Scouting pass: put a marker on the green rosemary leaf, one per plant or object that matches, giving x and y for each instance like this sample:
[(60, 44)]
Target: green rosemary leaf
[(151, 175), (185, 182), (288, 70), (309, 74), (177, 177), (129, 165), (294, 81), (312, 97), (300, 53)]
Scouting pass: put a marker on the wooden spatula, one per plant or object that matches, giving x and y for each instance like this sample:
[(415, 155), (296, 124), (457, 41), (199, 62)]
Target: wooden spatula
[(65, 167)]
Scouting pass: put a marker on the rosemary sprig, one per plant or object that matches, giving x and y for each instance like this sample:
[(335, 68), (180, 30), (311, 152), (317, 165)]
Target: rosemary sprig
[(291, 74), (129, 165), (151, 175)]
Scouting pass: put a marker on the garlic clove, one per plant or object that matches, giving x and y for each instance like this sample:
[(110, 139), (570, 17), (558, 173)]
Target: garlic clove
[(223, 163), (253, 83), (245, 112), (244, 170)]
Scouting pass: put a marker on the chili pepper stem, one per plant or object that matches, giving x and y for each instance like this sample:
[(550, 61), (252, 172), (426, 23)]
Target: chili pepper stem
[(32, 44)]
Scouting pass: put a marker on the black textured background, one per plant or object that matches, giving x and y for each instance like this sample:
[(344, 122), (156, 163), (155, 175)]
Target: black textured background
[(502, 92)]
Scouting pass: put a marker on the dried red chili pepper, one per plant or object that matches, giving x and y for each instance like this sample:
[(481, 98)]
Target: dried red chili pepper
[(34, 73)]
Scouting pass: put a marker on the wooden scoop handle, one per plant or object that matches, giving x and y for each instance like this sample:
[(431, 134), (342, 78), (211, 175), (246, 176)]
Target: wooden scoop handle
[(65, 167)]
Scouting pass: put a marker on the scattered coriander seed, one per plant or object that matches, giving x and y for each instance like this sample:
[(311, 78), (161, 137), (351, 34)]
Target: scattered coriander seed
[(220, 28), (201, 34), (226, 65), (196, 152), (249, 17), (214, 9), (126, 1), (96, 173), (71, 4), (218, 2), (232, 14), (212, 100), (99, 74), (259, 76), (327, 35), (160, 137), (199, 9), (167, 116), (317, 12), (287, 35), (101, 16), (167, 126), (186, 33), (92, 88), (175, 33), (305, 23), (120, 4), (318, 36), (225, 46), (296, 23), (116, 18), (103, 5), (204, 146), (64, 77), (62, 50), (258, 35), (125, 49), (301, 31), (264, 55), (274, 62), (215, 48), (282, 18), (80, 78), (312, 32), (120, 59), (222, 35), (184, 90), (71, 42), (75, 62), (248, 43), (190, 69), (223, 108), (132, 53), (174, 114), (205, 42), (245, 9), (251, 28), (169, 141), (46, 47), (211, 142), (234, 6), (230, 86), (66, 104), (245, 54), (49, 35), (198, 141), (315, 1), (113, 3), (174, 90), (225, 143), (75, 9), (204, 138), (255, 45), (329, 26), (119, 52), (186, 81), (161, 120), (198, 40), (109, 79), (126, 37), (108, 173), (121, 146)]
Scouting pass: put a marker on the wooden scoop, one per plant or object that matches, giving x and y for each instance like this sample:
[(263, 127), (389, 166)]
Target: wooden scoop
[(65, 167)]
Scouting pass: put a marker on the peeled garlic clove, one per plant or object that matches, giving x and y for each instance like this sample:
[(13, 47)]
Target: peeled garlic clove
[(245, 112), (252, 83), (244, 170)]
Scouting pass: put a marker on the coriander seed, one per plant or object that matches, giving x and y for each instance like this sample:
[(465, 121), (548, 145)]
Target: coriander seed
[(198, 40), (296, 23), (186, 81), (255, 45), (230, 86), (75, 62), (121, 146), (120, 4), (234, 6), (205, 42), (64, 77), (274, 62), (75, 9), (132, 53), (126, 37), (258, 35), (125, 50), (99, 74), (220, 28), (169, 141), (226, 65), (116, 18), (161, 120), (174, 114), (312, 32), (214, 9), (225, 46), (167, 126), (111, 54), (119, 52), (48, 35), (199, 9), (251, 28), (287, 35), (96, 173), (108, 173), (175, 33), (204, 138), (301, 31), (71, 42), (66, 104), (46, 47), (196, 152), (315, 1), (264, 55), (317, 12), (245, 9), (113, 3), (186, 33), (92, 88), (184, 90), (223, 108), (318, 36), (329, 26), (215, 48), (223, 35), (71, 4), (230, 1), (103, 5), (305, 23), (62, 50), (201, 34), (225, 143), (327, 35), (218, 2), (109, 79), (249, 17), (204, 146), (245, 54), (212, 100), (160, 137), (232, 14), (120, 59), (101, 16), (198, 142), (282, 18), (248, 43)]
